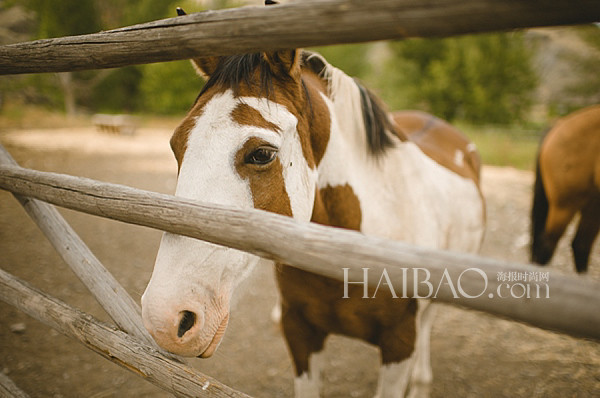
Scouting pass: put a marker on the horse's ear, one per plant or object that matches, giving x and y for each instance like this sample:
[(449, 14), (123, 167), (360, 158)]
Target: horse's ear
[(284, 62), (206, 66)]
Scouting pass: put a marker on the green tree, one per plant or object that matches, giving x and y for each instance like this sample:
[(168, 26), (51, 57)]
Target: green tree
[(169, 88), (351, 58), (121, 89), (586, 89), (479, 78), (64, 18)]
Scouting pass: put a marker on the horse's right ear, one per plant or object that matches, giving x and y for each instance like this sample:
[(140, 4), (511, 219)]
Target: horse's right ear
[(206, 66)]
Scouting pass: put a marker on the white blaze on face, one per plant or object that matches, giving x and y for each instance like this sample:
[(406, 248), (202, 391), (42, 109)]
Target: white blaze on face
[(191, 276)]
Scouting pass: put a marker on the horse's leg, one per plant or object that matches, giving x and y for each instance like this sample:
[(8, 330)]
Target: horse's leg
[(306, 345), (539, 214), (558, 219), (394, 378), (588, 228), (422, 376), (398, 356)]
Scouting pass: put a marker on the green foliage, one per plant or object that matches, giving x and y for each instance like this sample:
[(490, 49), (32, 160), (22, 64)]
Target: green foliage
[(117, 13), (351, 58), (504, 146), (169, 87), (587, 87), (483, 78), (118, 92), (479, 78), (65, 17)]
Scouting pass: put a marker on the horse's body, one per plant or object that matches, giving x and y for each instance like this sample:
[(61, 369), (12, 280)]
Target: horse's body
[(288, 133), (567, 183)]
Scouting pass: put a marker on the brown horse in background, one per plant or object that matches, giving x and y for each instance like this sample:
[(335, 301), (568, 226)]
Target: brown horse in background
[(568, 182)]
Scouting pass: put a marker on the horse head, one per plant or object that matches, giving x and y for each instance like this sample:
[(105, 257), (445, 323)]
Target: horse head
[(248, 142)]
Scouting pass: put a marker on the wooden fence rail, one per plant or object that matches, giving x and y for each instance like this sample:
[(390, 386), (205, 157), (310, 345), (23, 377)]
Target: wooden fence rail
[(106, 289), (567, 304), (110, 294), (115, 345), (250, 29), (9, 389)]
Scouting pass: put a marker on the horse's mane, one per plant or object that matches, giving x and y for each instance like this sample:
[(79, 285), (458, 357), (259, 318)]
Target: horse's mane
[(235, 70), (378, 125)]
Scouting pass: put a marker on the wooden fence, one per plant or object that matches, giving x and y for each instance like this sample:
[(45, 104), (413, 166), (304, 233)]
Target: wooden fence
[(296, 24), (570, 306)]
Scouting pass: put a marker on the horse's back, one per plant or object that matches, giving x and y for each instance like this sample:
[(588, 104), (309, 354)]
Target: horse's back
[(440, 141), (410, 194), (570, 156)]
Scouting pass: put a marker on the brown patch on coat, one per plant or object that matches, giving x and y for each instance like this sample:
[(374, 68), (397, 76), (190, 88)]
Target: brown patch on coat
[(441, 142), (246, 115), (341, 205), (180, 137), (319, 127), (313, 307), (302, 98), (266, 181)]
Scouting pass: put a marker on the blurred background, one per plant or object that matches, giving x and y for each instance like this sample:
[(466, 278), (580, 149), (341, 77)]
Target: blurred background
[(503, 89)]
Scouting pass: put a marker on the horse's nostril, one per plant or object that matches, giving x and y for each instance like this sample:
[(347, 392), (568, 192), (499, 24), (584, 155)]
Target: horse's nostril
[(188, 319)]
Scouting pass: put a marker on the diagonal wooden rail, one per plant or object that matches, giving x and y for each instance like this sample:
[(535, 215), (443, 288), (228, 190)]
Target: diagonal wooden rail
[(9, 389), (114, 345), (106, 289), (292, 25), (567, 304)]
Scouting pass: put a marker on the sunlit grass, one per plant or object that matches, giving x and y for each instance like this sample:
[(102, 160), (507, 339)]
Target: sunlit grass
[(504, 146)]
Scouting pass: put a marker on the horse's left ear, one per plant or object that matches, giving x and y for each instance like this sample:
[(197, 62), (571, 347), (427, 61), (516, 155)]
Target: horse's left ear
[(206, 66), (284, 62)]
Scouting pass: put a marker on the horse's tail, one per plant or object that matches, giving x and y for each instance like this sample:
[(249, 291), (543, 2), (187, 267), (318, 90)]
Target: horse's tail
[(539, 209)]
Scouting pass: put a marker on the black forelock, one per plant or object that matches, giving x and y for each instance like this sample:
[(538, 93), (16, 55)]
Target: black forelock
[(236, 70)]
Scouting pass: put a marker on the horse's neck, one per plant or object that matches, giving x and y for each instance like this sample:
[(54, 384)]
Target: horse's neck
[(360, 190), (343, 169)]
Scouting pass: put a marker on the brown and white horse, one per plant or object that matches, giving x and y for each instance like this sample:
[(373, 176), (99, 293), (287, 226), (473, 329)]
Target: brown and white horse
[(567, 182), (288, 133)]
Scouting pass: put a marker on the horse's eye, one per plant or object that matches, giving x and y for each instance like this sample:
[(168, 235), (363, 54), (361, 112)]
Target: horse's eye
[(261, 156)]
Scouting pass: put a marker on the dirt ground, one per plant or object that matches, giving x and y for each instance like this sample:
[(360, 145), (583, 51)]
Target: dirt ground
[(473, 354)]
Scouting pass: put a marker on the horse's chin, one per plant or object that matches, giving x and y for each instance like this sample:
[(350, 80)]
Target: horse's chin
[(216, 340)]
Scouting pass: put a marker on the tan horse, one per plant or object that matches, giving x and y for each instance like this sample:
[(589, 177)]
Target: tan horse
[(568, 182)]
